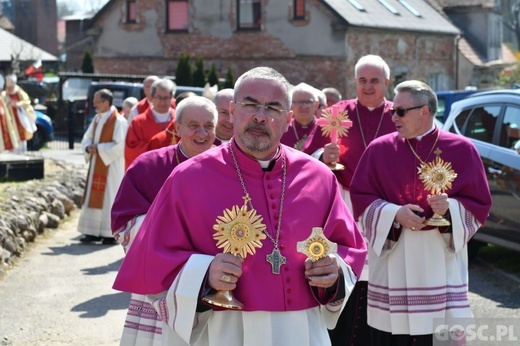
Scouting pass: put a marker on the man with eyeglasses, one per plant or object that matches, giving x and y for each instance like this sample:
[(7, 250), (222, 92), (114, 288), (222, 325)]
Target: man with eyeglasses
[(418, 272), (303, 133), (251, 192), (146, 101), (371, 117), (160, 117), (196, 117)]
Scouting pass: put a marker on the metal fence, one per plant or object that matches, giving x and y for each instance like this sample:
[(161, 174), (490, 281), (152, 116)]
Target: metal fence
[(69, 125), (68, 116)]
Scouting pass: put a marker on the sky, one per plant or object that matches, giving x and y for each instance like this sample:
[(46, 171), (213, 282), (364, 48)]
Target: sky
[(83, 6)]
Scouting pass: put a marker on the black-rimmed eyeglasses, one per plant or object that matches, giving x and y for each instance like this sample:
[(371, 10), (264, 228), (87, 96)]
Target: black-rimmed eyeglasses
[(253, 108), (401, 112)]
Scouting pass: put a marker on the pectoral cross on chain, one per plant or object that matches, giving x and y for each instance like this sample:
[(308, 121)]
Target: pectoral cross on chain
[(276, 259)]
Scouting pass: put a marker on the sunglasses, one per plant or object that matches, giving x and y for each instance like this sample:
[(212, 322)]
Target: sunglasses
[(401, 112)]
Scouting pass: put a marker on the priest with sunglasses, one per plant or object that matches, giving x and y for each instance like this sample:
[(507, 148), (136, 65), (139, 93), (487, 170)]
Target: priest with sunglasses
[(371, 117), (420, 194)]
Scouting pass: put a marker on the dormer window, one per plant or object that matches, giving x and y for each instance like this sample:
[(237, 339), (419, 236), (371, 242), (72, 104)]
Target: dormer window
[(177, 15), (249, 14)]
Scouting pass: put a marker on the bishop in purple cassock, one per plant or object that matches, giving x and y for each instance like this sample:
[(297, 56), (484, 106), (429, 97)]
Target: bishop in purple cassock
[(418, 273), (174, 259)]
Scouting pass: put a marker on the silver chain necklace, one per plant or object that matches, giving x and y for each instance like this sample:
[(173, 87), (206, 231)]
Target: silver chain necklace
[(361, 127), (275, 258)]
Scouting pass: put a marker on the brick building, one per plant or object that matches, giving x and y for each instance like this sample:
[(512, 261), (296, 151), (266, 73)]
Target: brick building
[(35, 22), (482, 52), (316, 41), (76, 40)]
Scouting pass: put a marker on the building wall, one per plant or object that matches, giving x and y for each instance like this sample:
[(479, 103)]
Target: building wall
[(298, 49), (311, 50), (35, 22), (475, 27), (466, 76), (409, 55), (77, 41)]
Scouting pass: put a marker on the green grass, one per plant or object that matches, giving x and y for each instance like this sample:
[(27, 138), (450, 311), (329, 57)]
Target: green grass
[(499, 257)]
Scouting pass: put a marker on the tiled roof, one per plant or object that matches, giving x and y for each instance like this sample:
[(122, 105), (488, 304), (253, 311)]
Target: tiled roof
[(406, 15), (476, 59), (466, 3)]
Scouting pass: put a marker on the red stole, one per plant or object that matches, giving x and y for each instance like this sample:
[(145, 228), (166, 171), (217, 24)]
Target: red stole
[(142, 130), (8, 145), (164, 138), (14, 112), (99, 178), (142, 106)]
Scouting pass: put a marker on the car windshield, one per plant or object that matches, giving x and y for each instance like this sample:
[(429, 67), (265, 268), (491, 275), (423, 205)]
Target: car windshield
[(74, 88)]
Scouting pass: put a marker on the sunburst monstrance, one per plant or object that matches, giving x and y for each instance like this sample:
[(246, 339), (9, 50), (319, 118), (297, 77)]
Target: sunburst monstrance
[(239, 231), (437, 175)]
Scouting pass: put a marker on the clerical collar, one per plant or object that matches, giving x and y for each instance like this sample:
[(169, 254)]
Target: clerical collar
[(426, 133), (182, 151), (267, 165), (222, 141), (102, 115), (372, 108), (308, 125), (161, 117)]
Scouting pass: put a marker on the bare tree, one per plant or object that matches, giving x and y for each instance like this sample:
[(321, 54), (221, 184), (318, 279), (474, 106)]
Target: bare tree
[(64, 9), (79, 6), (22, 53)]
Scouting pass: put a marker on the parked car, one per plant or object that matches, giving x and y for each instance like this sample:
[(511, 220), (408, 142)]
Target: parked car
[(44, 132), (491, 120), (120, 90), (446, 98)]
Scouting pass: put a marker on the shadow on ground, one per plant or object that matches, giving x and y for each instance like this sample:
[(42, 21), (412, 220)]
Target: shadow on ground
[(112, 267), (99, 306), (76, 249)]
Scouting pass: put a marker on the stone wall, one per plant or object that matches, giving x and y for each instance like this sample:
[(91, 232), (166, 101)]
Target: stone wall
[(28, 208)]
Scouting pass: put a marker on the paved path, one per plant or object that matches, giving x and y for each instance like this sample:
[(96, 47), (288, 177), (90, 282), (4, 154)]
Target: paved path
[(60, 293)]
